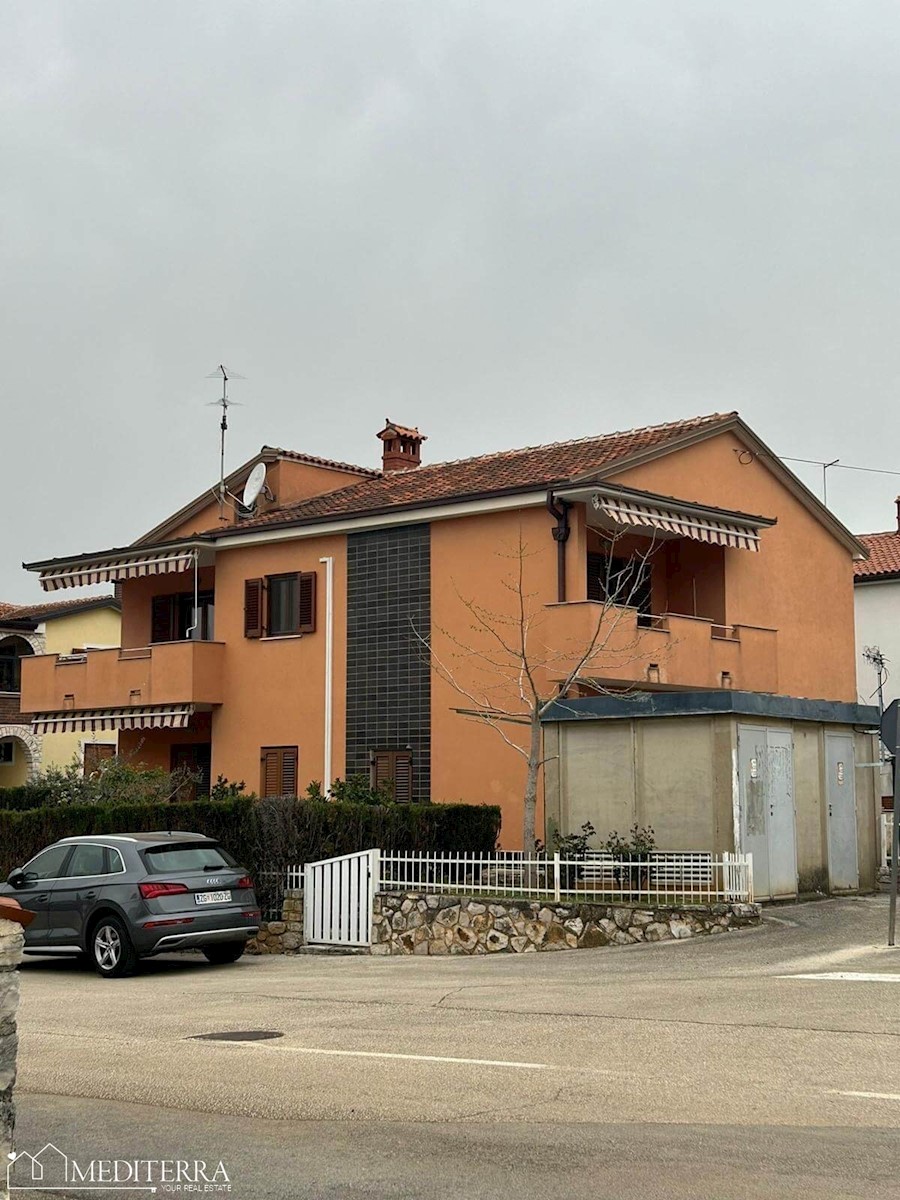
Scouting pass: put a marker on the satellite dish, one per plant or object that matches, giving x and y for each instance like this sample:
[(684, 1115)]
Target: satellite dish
[(254, 485)]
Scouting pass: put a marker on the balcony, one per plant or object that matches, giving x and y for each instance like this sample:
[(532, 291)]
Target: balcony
[(184, 672), (671, 650)]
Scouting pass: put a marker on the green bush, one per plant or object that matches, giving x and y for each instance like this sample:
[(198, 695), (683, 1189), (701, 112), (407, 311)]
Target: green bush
[(264, 835), (118, 781)]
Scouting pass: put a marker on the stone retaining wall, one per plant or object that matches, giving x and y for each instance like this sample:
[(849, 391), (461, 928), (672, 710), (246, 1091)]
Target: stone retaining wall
[(11, 942), (284, 936), (416, 923)]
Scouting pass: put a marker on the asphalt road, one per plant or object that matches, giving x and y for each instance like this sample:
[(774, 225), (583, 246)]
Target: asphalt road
[(700, 1068)]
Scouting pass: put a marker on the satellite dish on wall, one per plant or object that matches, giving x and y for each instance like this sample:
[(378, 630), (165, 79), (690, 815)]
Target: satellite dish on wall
[(254, 485)]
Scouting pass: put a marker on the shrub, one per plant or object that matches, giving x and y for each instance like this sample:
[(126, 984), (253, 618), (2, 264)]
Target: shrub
[(264, 835), (118, 781)]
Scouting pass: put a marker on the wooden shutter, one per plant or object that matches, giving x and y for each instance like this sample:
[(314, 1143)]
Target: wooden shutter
[(278, 770), (94, 754), (381, 768), (289, 771), (306, 591), (403, 777), (270, 773), (253, 608), (162, 619), (393, 767)]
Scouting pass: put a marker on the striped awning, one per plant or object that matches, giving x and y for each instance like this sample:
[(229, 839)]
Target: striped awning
[(681, 522), (89, 720), (114, 570)]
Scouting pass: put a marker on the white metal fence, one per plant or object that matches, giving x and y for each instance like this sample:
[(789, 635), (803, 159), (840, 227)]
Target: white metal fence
[(337, 899), (653, 878)]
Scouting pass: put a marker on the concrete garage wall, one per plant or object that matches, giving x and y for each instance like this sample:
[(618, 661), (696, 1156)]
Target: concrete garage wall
[(674, 774), (11, 942), (677, 774)]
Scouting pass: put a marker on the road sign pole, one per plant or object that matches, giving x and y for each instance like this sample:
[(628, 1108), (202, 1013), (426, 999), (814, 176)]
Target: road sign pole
[(895, 855)]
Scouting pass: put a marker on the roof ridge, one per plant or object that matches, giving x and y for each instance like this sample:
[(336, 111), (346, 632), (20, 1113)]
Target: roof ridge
[(320, 460), (580, 441)]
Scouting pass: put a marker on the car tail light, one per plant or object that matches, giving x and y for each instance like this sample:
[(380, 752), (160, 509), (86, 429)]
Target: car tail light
[(246, 882), (150, 891), (158, 924)]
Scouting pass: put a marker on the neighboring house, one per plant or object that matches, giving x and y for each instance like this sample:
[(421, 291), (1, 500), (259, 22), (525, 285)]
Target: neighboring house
[(284, 644), (70, 629), (877, 597)]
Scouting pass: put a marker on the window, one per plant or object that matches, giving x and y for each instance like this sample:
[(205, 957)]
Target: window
[(95, 754), (394, 769), (622, 581), (10, 670), (205, 857), (48, 864), (278, 771), (7, 754), (280, 605), (88, 860), (173, 616)]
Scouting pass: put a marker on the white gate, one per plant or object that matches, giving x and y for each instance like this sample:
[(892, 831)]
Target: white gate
[(337, 899)]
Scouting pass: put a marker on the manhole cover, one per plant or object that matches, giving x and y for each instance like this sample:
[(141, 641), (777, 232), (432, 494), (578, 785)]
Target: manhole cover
[(237, 1035)]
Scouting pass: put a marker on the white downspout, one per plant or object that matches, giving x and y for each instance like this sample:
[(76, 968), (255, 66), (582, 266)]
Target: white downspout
[(329, 669)]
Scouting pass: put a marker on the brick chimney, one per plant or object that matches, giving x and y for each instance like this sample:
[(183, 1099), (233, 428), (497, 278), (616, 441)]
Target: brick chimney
[(402, 447)]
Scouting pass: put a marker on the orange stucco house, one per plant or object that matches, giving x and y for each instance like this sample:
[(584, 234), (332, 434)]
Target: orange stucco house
[(360, 620)]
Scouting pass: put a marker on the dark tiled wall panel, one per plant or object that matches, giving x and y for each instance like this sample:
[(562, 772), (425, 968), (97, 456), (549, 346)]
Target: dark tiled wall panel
[(388, 675)]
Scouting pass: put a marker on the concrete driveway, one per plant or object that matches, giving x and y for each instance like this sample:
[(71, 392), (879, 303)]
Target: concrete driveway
[(708, 1067)]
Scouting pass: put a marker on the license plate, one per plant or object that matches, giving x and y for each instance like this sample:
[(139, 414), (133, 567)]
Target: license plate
[(212, 897)]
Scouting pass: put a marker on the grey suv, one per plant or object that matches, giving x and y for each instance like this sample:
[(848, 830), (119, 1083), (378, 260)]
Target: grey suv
[(126, 896)]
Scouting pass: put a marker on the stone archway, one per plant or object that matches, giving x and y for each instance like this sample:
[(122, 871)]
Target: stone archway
[(31, 742), (37, 641)]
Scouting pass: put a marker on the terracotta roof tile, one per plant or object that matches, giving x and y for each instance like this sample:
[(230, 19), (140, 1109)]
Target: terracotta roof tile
[(314, 461), (884, 555), (527, 469), (50, 608)]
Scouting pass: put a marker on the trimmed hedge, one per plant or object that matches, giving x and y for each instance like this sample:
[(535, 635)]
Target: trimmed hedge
[(26, 795), (306, 829)]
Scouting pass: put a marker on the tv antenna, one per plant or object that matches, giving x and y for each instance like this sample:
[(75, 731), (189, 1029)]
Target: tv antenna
[(224, 402)]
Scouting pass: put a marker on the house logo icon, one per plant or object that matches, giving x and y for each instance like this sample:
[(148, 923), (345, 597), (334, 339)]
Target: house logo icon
[(49, 1168)]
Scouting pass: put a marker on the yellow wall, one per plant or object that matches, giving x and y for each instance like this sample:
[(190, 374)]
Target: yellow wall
[(17, 772), (96, 627)]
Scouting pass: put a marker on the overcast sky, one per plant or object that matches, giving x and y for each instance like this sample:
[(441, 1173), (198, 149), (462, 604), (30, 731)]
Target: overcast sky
[(507, 223)]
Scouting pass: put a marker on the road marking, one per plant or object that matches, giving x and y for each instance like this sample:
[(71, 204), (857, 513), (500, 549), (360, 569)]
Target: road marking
[(870, 1095), (849, 976), (470, 1062)]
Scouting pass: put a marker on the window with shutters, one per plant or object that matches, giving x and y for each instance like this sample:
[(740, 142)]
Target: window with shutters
[(393, 768), (95, 754), (174, 617), (280, 605), (278, 770)]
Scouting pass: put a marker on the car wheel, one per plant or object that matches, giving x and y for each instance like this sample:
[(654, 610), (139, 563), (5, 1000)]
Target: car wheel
[(112, 951), (224, 952)]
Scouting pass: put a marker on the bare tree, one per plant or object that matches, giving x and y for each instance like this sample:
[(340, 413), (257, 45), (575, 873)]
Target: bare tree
[(510, 668)]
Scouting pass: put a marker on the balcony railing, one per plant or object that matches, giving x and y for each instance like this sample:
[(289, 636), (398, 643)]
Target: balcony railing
[(669, 648), (167, 673)]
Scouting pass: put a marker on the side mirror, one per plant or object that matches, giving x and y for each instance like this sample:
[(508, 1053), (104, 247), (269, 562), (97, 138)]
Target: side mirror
[(17, 878)]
